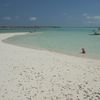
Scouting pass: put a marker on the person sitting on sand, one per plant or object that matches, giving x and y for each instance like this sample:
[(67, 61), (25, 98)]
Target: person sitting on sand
[(83, 51)]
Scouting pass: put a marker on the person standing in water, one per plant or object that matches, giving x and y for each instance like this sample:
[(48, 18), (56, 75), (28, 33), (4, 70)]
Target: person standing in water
[(83, 51)]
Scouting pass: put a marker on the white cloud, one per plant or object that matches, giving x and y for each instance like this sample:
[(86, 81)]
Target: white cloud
[(16, 17), (65, 13), (91, 22), (92, 19), (33, 18), (7, 18), (85, 14), (7, 5)]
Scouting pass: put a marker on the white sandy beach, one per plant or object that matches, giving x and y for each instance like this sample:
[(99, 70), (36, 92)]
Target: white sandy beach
[(29, 74)]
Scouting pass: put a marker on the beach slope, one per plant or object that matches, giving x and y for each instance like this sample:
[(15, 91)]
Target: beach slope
[(29, 74)]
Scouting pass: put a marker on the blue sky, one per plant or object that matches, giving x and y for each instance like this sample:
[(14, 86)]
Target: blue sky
[(50, 12)]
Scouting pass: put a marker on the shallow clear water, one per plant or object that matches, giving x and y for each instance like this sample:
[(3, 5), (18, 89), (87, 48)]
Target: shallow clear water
[(63, 40)]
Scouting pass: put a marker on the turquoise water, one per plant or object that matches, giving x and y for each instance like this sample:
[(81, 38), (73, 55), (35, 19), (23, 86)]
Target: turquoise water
[(63, 40)]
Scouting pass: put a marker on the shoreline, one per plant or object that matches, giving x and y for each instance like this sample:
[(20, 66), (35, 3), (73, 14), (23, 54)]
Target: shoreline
[(85, 56), (30, 74)]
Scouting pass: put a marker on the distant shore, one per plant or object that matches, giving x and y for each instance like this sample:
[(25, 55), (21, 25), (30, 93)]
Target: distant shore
[(30, 74)]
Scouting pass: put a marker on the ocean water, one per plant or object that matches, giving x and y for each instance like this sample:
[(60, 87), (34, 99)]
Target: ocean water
[(63, 40)]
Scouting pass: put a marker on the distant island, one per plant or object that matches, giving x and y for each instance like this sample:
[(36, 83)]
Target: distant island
[(27, 27)]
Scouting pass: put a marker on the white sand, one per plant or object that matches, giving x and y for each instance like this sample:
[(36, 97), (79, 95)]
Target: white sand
[(28, 74)]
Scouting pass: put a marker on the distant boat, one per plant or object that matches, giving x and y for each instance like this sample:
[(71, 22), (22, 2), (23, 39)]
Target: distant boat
[(97, 31)]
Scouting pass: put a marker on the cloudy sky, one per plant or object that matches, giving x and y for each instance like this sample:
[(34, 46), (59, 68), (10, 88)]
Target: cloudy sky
[(50, 12)]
